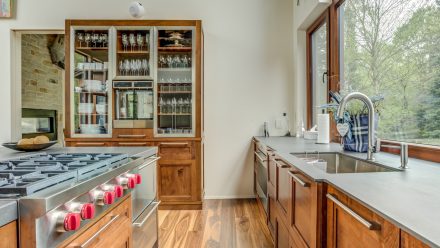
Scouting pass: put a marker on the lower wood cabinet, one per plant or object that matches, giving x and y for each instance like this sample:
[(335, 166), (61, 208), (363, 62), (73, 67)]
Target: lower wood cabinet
[(112, 230), (349, 224), (8, 235), (176, 179), (282, 236), (408, 241)]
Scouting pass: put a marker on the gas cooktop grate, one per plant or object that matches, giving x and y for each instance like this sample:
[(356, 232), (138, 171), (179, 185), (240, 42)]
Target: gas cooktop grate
[(27, 175)]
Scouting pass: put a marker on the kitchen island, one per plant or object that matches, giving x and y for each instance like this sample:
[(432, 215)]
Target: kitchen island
[(80, 185), (409, 199)]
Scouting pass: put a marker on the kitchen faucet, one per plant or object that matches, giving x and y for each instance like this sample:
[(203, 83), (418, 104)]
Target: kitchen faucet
[(370, 106)]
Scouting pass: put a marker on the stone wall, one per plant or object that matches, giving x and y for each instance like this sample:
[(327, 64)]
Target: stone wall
[(42, 82)]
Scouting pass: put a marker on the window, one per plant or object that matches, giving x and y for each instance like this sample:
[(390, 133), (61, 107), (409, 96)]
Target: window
[(317, 36), (392, 48)]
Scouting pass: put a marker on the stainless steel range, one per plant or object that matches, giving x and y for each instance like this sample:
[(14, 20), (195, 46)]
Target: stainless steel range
[(60, 193)]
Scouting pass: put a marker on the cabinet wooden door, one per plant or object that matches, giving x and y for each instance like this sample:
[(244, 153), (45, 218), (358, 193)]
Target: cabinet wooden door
[(272, 213), (408, 241), (176, 179), (349, 224), (179, 150), (8, 235), (272, 171), (283, 196), (282, 237), (303, 219)]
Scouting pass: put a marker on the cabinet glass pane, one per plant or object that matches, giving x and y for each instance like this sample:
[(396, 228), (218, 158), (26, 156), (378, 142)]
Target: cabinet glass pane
[(90, 86), (175, 82), (133, 54)]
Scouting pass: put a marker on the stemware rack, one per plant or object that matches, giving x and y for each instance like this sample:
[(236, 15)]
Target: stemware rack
[(165, 55)]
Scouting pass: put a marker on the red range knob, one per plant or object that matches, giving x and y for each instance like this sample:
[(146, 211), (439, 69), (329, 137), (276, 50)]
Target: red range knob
[(72, 221), (88, 211), (138, 178), (119, 191), (131, 183), (109, 197)]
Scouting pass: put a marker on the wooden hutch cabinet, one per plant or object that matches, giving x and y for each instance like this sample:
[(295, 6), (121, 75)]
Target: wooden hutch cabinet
[(140, 83)]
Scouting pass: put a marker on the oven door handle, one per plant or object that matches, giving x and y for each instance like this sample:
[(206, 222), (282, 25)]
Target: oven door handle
[(149, 162), (113, 219), (142, 222)]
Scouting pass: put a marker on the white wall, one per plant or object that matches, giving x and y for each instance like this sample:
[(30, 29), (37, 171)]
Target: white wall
[(248, 70), (304, 15)]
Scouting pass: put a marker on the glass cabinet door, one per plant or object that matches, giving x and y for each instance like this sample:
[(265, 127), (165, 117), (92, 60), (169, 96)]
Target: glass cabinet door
[(175, 82), (91, 92), (133, 57)]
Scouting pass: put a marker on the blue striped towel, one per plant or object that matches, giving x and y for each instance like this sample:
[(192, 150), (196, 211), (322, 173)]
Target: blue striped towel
[(358, 142)]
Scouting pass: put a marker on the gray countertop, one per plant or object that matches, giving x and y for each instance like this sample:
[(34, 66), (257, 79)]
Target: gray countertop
[(8, 207), (410, 199)]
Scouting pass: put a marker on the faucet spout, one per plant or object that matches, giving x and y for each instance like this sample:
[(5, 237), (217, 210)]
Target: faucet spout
[(371, 130)]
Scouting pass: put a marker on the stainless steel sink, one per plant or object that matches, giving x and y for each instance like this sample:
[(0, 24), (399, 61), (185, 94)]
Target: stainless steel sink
[(336, 163)]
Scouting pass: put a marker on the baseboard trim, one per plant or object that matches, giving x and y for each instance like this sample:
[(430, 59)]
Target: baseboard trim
[(224, 197)]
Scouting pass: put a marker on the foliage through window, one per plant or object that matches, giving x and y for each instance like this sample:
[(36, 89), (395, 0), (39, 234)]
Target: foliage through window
[(392, 48)]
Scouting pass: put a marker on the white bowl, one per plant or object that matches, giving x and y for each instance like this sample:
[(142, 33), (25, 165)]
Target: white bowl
[(310, 135), (101, 109), (85, 108)]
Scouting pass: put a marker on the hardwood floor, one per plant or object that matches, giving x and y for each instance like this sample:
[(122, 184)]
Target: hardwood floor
[(221, 223)]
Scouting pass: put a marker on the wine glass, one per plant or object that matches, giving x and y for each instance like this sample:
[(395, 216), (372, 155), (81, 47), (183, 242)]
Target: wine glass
[(80, 37), (104, 39), (127, 66), (121, 67), (147, 41), (87, 38), (162, 61), (140, 41), (176, 61), (132, 40), (145, 66), (169, 61), (95, 39), (124, 39), (185, 61)]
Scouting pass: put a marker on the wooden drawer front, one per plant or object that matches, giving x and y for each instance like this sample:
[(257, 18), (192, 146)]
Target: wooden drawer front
[(282, 238), (272, 214), (179, 150), (8, 235), (349, 224), (112, 230), (176, 181), (89, 143), (272, 172), (283, 196), (132, 133), (133, 143), (304, 210)]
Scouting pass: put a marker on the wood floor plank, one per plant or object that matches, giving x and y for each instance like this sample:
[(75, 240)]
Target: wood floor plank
[(221, 223)]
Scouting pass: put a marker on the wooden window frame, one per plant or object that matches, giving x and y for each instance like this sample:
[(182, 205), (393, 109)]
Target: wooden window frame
[(323, 19), (330, 16)]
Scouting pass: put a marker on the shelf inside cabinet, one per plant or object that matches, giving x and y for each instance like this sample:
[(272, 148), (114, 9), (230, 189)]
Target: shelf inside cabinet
[(174, 69), (175, 49), (133, 52), (174, 92), (175, 114)]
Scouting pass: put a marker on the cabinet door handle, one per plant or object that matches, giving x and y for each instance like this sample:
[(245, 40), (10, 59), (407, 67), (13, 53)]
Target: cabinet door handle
[(174, 144), (260, 158), (90, 240), (298, 180), (366, 223), (154, 159), (141, 223), (132, 143), (90, 144), (279, 165), (132, 136)]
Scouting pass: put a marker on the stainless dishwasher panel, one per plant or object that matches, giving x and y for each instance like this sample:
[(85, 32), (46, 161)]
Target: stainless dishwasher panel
[(145, 228)]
